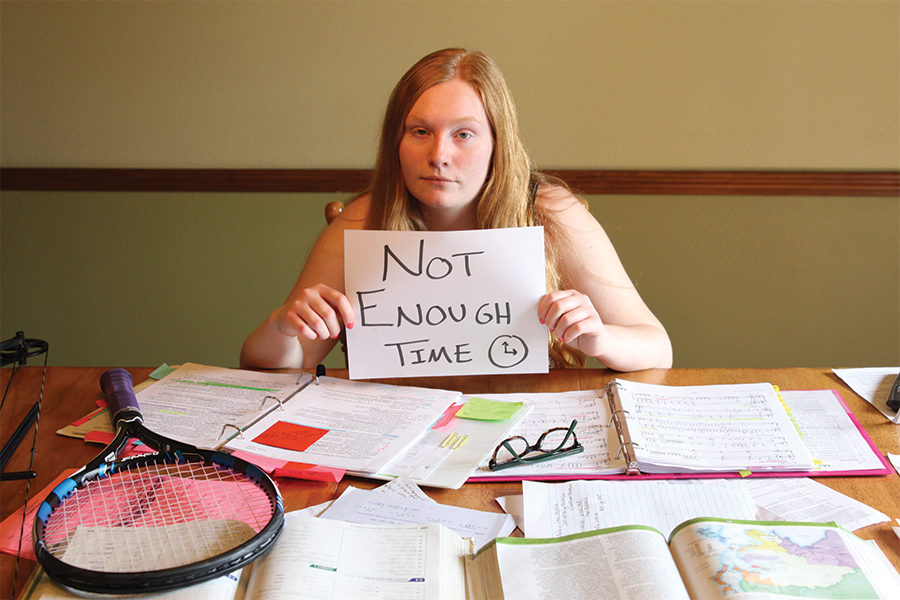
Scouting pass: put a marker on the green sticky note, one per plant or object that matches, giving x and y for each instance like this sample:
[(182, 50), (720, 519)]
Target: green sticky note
[(161, 372), (488, 410)]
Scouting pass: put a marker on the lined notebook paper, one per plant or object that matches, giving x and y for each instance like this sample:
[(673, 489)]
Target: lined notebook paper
[(558, 509)]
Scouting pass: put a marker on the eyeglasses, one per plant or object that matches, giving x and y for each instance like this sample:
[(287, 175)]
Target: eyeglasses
[(515, 451)]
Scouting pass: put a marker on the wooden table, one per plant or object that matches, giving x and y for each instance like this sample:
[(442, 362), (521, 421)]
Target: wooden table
[(71, 392)]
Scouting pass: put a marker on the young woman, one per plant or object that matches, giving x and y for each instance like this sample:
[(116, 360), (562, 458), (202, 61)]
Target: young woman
[(450, 158)]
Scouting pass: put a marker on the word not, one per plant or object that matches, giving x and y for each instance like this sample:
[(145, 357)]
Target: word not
[(438, 267)]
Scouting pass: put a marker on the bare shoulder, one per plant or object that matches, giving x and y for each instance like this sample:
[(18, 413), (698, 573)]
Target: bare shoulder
[(351, 217), (355, 212), (558, 203), (587, 256)]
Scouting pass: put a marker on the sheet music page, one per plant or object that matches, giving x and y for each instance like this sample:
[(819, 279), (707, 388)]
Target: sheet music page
[(711, 428), (194, 402), (322, 559), (557, 410), (560, 509), (346, 424)]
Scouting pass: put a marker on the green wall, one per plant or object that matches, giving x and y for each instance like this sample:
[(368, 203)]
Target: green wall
[(146, 278)]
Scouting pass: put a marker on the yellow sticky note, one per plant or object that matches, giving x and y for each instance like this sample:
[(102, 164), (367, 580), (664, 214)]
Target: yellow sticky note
[(744, 473), (488, 410)]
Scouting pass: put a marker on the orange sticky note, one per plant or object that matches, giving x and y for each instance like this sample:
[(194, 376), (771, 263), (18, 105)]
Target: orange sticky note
[(290, 436)]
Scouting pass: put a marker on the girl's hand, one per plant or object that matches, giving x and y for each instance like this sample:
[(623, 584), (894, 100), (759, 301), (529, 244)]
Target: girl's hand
[(573, 318), (317, 312)]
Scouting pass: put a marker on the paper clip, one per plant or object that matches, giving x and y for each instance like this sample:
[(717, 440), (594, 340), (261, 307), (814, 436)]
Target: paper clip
[(280, 403), (458, 444), (450, 440), (240, 434)]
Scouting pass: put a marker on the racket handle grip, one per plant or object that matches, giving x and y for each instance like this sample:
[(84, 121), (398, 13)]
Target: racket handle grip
[(119, 389)]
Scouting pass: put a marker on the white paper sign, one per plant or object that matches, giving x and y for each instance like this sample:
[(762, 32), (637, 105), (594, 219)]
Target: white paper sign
[(445, 303)]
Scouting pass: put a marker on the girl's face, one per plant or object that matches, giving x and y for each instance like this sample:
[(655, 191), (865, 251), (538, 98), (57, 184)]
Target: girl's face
[(446, 149)]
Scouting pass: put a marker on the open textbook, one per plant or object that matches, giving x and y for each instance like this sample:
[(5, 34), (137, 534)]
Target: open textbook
[(634, 429), (704, 558)]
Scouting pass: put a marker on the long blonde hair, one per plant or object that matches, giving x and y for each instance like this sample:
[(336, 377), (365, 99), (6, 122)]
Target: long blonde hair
[(508, 196)]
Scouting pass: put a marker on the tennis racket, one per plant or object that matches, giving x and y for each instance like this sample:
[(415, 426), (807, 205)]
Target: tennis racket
[(157, 521)]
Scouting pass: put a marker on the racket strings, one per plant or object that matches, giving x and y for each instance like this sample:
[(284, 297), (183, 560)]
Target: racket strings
[(157, 515)]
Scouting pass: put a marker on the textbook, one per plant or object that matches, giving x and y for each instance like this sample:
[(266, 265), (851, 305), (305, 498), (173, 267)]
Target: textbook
[(632, 429), (703, 558)]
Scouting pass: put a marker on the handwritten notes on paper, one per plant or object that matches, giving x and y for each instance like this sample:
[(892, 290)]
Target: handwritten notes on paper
[(558, 509), (445, 303)]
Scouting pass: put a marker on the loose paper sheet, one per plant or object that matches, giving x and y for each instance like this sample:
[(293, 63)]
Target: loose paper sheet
[(559, 509), (872, 384), (373, 508), (802, 499), (445, 303), (829, 433)]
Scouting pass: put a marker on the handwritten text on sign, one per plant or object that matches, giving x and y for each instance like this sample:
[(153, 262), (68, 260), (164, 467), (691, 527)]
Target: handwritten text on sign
[(445, 303)]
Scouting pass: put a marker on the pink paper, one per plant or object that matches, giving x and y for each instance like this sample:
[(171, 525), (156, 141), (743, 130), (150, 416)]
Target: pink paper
[(11, 528)]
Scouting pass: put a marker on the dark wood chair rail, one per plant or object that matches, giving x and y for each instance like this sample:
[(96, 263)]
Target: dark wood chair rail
[(625, 182)]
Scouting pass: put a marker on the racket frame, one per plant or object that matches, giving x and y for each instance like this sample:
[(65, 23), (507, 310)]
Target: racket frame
[(168, 451)]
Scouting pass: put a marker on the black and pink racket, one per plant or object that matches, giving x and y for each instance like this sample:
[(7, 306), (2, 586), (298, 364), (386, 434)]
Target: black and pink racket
[(158, 521)]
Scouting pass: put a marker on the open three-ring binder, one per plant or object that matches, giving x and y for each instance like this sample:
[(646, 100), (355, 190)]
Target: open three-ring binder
[(633, 429)]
